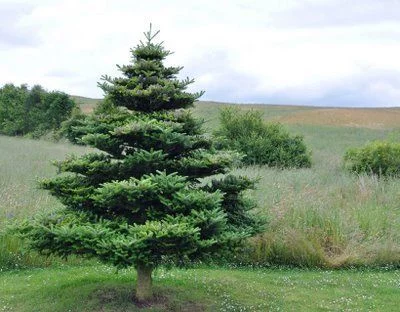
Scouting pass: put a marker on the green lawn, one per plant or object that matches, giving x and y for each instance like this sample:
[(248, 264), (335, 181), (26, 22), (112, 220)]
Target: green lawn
[(99, 288)]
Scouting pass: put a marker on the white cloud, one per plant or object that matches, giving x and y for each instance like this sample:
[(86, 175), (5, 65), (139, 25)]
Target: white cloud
[(296, 52), (12, 31)]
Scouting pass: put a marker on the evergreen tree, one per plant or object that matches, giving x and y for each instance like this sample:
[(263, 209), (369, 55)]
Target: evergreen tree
[(140, 199)]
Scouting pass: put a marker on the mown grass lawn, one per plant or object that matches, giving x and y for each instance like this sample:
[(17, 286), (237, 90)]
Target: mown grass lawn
[(100, 288)]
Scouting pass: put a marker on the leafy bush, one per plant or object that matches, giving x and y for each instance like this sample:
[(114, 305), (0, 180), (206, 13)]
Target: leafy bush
[(380, 157), (261, 143), (32, 111)]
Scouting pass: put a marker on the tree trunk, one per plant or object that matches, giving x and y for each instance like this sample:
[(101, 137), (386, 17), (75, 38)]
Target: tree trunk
[(144, 290)]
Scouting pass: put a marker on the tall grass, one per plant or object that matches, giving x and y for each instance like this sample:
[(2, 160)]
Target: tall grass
[(22, 163), (321, 216), (324, 216)]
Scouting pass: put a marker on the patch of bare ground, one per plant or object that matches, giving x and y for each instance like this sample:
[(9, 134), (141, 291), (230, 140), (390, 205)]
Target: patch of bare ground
[(373, 118), (123, 299)]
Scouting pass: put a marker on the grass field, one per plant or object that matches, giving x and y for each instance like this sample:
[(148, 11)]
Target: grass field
[(324, 216), (373, 118), (23, 162), (320, 216), (98, 288)]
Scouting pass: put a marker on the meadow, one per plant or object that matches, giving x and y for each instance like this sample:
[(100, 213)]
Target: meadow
[(321, 218), (324, 216)]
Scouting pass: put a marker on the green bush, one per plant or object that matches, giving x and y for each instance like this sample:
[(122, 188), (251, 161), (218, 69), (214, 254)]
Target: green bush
[(261, 143), (32, 112), (380, 157)]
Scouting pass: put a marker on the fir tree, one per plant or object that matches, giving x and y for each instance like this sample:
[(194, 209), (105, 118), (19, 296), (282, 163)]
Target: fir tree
[(140, 198)]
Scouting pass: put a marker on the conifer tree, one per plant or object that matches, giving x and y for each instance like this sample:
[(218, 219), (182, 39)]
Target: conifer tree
[(140, 198)]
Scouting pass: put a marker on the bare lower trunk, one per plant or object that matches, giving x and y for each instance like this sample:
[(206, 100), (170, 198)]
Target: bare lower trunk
[(144, 290)]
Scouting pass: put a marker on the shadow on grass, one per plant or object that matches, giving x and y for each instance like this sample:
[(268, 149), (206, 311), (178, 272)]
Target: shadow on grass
[(122, 298)]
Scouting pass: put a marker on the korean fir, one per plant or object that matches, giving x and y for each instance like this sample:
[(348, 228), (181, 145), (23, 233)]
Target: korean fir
[(145, 196)]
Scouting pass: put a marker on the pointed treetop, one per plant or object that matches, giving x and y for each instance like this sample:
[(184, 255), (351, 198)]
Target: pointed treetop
[(149, 36), (149, 50)]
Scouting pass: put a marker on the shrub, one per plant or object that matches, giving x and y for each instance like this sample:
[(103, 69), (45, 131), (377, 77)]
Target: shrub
[(261, 143), (380, 157)]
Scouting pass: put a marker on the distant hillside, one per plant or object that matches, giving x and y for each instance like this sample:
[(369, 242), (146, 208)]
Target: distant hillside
[(86, 104), (373, 118)]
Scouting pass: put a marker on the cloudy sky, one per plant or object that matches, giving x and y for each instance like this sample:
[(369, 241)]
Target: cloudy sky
[(313, 52)]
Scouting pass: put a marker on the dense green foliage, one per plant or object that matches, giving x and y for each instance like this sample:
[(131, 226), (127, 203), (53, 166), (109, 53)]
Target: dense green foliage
[(32, 111), (380, 157), (73, 128), (139, 199), (261, 143)]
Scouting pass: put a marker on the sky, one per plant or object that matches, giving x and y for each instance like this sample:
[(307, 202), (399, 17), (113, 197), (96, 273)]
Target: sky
[(299, 52)]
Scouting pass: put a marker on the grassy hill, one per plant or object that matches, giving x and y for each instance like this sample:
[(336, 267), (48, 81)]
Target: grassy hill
[(372, 118), (86, 104), (320, 216)]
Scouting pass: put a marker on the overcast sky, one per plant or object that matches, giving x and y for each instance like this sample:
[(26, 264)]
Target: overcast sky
[(314, 52)]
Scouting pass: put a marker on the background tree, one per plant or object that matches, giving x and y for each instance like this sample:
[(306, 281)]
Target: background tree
[(140, 199), (12, 112), (32, 111)]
